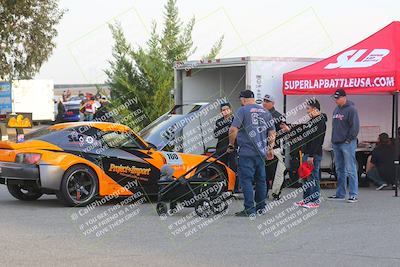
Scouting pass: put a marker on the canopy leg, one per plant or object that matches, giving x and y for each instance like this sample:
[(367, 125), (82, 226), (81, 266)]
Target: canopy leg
[(393, 104), (396, 134), (284, 105)]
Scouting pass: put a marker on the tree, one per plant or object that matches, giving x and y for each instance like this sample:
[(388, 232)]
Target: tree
[(27, 32), (146, 73)]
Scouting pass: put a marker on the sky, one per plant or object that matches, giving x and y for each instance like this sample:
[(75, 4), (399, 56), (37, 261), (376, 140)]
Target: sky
[(286, 28)]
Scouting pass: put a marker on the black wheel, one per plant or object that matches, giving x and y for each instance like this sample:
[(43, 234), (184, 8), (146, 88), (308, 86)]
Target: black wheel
[(219, 204), (211, 173), (22, 192), (203, 208), (79, 186), (162, 208), (172, 205)]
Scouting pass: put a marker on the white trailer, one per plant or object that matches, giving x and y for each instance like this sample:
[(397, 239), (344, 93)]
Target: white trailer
[(207, 81), (34, 96)]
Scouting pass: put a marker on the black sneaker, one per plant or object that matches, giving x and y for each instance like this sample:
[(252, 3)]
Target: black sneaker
[(334, 197), (244, 213), (381, 187), (261, 211), (352, 200), (276, 197)]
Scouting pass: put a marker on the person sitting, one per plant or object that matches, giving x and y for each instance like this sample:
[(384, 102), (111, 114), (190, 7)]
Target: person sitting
[(380, 165)]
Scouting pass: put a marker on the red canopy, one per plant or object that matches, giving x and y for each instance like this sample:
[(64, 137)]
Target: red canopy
[(371, 66)]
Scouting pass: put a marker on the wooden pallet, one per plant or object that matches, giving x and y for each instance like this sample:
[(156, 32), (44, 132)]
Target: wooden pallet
[(327, 184)]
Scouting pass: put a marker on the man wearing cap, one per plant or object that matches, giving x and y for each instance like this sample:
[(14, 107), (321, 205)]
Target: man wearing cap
[(314, 138), (256, 138), (281, 128), (345, 128)]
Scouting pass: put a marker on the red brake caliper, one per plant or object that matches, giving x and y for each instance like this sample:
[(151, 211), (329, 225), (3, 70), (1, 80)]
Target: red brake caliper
[(78, 194)]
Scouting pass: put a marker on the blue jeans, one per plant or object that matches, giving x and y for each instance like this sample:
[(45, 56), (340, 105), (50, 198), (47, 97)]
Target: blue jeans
[(88, 117), (252, 169), (375, 177), (311, 188), (346, 167)]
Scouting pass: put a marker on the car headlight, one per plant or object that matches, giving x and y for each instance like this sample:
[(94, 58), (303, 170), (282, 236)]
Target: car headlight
[(28, 158)]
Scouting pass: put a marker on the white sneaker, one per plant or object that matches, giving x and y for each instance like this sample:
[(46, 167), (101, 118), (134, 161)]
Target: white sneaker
[(381, 187)]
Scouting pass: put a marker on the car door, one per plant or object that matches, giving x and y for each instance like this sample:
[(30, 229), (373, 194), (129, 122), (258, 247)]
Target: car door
[(129, 165)]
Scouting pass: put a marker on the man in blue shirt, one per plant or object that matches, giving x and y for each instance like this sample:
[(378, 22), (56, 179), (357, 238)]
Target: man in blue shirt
[(253, 126)]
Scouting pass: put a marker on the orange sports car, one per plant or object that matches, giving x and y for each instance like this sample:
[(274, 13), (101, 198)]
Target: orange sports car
[(81, 161)]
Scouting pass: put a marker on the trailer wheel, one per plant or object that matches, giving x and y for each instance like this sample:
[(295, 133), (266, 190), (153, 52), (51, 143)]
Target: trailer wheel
[(162, 208), (220, 203), (172, 205), (203, 208)]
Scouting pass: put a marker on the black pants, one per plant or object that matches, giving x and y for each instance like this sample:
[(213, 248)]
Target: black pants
[(270, 169), (230, 160)]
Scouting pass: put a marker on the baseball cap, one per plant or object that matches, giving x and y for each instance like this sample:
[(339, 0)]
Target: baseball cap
[(384, 137), (314, 103), (339, 93), (269, 98), (246, 94)]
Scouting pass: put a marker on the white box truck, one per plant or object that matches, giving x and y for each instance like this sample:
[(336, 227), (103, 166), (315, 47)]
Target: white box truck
[(29, 96)]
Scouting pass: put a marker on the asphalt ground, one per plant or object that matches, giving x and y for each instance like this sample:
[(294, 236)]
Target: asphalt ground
[(45, 233)]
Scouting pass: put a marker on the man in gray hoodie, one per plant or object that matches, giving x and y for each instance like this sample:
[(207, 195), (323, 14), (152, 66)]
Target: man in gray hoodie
[(345, 128)]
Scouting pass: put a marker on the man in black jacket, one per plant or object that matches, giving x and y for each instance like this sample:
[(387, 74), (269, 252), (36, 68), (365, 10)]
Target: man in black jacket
[(314, 133), (221, 132)]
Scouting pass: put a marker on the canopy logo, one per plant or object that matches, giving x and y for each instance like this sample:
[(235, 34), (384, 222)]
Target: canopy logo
[(349, 59)]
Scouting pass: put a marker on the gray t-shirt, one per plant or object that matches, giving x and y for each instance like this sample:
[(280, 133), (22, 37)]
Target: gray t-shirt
[(254, 122)]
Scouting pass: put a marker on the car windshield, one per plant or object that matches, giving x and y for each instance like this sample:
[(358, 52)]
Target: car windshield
[(72, 106), (120, 140), (162, 133), (75, 98), (79, 137)]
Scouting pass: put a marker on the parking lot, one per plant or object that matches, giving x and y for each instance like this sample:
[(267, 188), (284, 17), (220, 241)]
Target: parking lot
[(43, 233)]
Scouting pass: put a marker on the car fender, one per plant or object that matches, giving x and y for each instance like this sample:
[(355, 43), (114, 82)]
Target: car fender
[(54, 164)]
